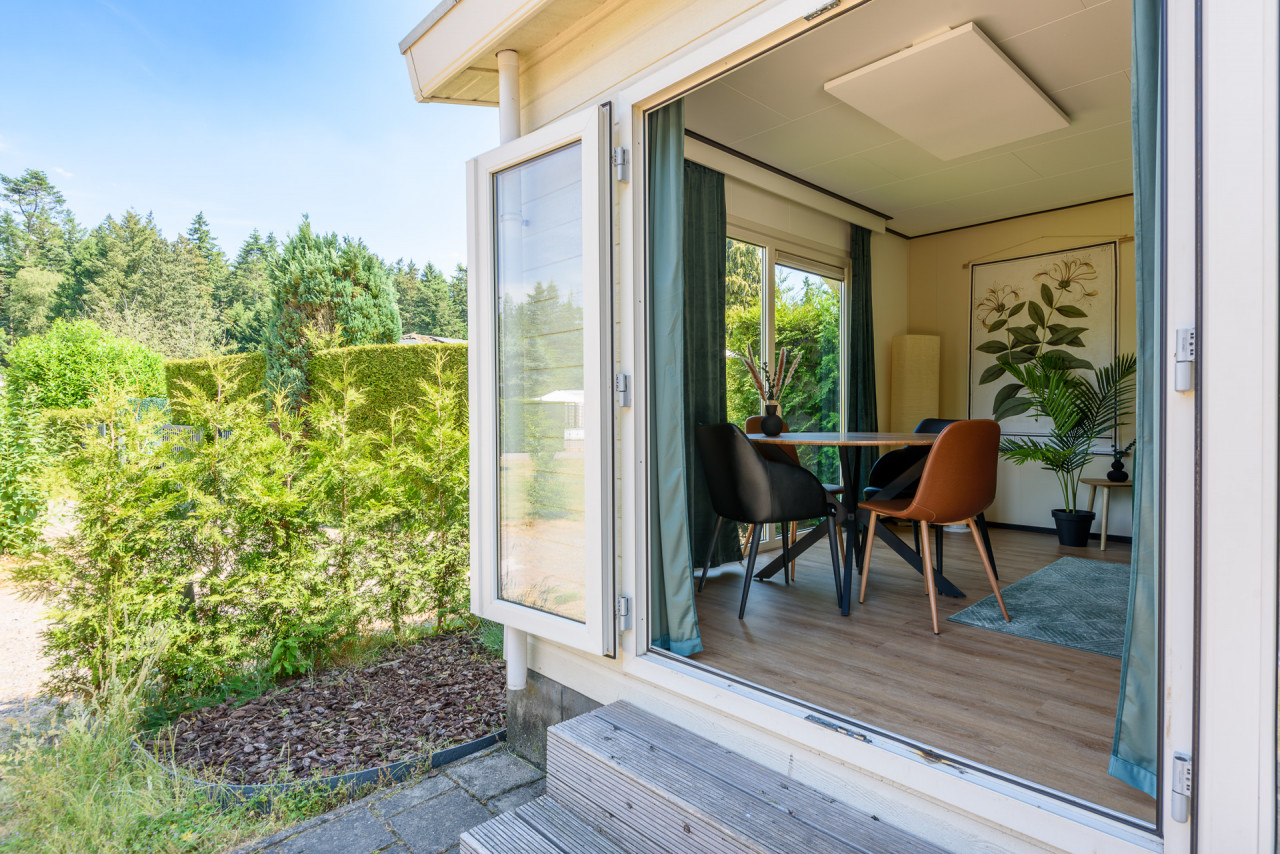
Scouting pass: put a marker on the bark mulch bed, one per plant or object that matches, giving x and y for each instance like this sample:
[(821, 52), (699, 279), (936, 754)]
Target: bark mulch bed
[(433, 694)]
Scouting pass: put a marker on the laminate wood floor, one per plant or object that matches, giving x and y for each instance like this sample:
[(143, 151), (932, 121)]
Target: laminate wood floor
[(1040, 712)]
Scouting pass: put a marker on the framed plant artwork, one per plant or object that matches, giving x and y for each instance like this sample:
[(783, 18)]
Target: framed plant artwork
[(1058, 303)]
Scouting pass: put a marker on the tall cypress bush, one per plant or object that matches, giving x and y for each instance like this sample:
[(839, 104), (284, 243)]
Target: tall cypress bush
[(324, 294)]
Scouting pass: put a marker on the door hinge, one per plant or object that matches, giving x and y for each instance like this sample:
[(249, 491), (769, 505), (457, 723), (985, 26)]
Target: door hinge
[(622, 608), (622, 386), (621, 164), (1180, 806)]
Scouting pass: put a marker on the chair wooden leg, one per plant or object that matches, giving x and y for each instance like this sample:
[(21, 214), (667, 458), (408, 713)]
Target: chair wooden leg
[(711, 550), (836, 562), (747, 542), (928, 575), (795, 532), (981, 519), (866, 556), (991, 572), (751, 568)]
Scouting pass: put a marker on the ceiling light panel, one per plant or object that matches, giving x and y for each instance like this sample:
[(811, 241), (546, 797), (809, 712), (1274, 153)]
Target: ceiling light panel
[(953, 95)]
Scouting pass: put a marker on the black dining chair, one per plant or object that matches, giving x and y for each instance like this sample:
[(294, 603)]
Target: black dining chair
[(748, 488), (895, 464)]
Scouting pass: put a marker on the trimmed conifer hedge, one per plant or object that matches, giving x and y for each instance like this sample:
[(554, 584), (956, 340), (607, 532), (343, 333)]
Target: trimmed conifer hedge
[(252, 368), (388, 375)]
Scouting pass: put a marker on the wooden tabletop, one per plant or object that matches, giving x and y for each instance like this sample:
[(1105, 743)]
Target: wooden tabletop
[(1102, 481), (848, 439)]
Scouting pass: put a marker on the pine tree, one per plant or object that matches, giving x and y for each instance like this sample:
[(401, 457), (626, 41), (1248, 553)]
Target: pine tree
[(244, 298), (134, 283), (324, 294), (37, 237)]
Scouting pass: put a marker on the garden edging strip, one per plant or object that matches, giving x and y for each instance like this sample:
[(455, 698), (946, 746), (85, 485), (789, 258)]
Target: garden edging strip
[(261, 794)]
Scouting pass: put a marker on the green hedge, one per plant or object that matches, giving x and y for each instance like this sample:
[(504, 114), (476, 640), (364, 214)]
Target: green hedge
[(199, 373), (388, 375)]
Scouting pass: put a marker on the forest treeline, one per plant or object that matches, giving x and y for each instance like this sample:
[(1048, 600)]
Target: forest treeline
[(181, 297)]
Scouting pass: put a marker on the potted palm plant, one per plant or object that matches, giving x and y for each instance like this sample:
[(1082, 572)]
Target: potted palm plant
[(1081, 410)]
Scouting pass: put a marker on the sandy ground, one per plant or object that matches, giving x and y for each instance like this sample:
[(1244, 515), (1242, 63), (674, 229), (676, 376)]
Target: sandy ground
[(22, 709), (20, 625)]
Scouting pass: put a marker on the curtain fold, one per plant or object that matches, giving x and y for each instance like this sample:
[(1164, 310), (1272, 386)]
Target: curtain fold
[(861, 398), (705, 390), (1135, 747), (673, 617)]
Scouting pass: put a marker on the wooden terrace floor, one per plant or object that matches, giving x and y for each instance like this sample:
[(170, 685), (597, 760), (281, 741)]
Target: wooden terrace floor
[(1041, 712)]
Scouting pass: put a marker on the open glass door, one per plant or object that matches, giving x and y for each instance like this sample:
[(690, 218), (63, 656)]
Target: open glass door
[(541, 423)]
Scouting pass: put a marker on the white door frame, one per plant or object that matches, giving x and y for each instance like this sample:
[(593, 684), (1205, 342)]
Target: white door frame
[(1025, 813)]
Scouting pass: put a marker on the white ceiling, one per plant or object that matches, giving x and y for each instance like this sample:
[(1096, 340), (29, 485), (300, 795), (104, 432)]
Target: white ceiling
[(1077, 51)]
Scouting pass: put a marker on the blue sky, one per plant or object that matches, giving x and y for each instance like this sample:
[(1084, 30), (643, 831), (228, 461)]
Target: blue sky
[(255, 113)]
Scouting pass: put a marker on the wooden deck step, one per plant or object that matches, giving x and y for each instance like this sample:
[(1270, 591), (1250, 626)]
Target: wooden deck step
[(655, 788), (541, 826)]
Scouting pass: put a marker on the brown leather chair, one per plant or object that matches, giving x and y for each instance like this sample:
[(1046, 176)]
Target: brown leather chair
[(958, 483), (753, 426)]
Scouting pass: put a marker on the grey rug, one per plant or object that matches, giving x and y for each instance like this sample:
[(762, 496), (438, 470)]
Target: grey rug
[(1072, 602)]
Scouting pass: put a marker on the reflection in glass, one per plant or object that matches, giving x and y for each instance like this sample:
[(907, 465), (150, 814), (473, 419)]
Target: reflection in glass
[(541, 434)]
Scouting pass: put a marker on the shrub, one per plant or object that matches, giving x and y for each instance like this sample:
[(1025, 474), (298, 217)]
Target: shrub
[(247, 543), (22, 454), (74, 361)]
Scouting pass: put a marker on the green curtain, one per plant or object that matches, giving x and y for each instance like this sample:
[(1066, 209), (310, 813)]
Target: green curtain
[(673, 617), (861, 415), (705, 392), (1135, 748)]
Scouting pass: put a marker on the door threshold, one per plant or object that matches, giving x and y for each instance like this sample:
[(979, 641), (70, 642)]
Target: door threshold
[(1117, 824)]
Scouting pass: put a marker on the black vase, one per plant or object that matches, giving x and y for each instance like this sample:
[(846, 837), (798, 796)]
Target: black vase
[(1073, 527), (1117, 473), (771, 424)]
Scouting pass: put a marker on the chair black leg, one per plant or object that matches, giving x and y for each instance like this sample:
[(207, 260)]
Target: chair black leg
[(835, 558), (981, 520), (786, 553), (937, 550), (711, 550), (751, 569), (915, 531)]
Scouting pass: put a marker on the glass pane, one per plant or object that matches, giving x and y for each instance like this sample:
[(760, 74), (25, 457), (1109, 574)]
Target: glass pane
[(806, 319), (744, 283), (541, 433)]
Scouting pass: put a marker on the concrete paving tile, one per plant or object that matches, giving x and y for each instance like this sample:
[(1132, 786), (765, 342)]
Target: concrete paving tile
[(356, 832), (494, 774), (402, 797), (434, 826), (517, 797)]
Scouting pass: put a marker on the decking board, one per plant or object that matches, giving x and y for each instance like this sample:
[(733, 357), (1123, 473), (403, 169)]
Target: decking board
[(677, 791)]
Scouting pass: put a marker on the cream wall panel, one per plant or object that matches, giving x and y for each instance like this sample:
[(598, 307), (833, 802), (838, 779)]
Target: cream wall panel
[(607, 49), (940, 305), (891, 307)]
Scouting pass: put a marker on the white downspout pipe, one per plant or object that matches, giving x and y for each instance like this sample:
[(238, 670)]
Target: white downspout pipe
[(515, 645), (508, 96)]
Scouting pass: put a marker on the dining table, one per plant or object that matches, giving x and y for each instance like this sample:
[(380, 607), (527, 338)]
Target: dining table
[(850, 447)]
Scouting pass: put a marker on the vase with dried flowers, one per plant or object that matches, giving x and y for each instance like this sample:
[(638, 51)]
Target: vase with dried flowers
[(770, 384)]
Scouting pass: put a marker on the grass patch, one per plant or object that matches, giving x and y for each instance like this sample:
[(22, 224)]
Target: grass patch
[(82, 786)]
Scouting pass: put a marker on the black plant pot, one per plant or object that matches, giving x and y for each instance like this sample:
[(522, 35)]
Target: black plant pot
[(1073, 527)]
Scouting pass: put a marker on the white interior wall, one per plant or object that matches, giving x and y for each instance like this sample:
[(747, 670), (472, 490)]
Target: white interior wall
[(940, 304)]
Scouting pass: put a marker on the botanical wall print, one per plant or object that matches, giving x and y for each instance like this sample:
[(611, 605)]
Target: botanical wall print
[(1059, 304)]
